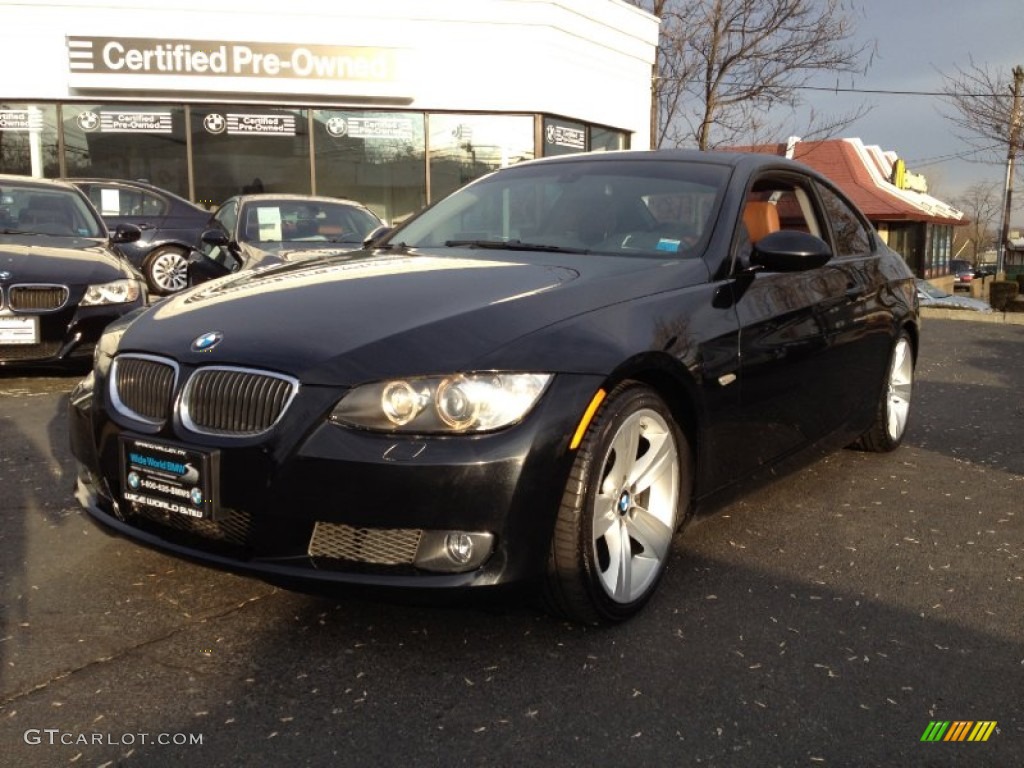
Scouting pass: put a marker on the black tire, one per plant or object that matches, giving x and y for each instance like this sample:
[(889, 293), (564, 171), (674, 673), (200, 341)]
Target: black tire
[(166, 270), (625, 499), (893, 409)]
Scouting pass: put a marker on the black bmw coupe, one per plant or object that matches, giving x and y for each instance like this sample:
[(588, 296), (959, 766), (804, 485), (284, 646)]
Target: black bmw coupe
[(537, 381)]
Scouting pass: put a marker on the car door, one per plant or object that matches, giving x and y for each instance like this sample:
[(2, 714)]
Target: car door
[(122, 204), (792, 327), (859, 329)]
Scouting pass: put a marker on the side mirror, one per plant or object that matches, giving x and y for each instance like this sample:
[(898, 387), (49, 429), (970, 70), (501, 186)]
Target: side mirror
[(125, 233), (790, 251), (376, 236), (216, 236)]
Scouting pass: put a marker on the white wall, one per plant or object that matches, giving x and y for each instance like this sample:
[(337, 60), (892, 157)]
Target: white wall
[(584, 59)]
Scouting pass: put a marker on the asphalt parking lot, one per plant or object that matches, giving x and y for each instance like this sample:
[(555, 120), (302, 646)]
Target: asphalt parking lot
[(827, 620)]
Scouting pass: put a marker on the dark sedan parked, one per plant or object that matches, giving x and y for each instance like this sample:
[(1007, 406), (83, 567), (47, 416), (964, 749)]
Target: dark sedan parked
[(61, 281), (259, 230), (536, 381), (170, 225)]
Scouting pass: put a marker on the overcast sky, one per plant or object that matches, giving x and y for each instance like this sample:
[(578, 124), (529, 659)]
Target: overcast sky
[(916, 41)]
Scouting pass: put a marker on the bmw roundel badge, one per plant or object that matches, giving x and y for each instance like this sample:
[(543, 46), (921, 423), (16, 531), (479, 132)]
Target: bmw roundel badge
[(207, 341)]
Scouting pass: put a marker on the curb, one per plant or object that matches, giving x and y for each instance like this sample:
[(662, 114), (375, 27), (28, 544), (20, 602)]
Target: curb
[(1007, 318)]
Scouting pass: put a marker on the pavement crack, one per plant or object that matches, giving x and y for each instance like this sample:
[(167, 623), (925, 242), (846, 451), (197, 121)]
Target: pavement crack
[(17, 696)]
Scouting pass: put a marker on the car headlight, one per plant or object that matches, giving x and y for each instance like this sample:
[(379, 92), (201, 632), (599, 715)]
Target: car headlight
[(117, 292), (460, 403)]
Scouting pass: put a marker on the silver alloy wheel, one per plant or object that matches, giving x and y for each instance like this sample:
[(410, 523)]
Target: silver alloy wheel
[(634, 512), (168, 271), (900, 389)]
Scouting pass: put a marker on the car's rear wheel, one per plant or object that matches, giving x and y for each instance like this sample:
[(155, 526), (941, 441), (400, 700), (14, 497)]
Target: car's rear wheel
[(166, 270), (620, 510), (893, 410)]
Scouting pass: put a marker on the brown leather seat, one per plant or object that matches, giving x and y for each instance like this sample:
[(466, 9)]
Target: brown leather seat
[(761, 219)]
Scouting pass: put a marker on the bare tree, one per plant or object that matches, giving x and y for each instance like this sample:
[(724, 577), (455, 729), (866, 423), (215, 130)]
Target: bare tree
[(981, 101), (981, 204), (987, 106), (727, 69)]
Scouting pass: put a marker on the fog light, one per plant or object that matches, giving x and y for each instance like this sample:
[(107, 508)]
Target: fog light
[(453, 551), (459, 547)]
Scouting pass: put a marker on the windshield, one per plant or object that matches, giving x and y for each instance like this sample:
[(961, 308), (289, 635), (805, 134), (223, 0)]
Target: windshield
[(284, 221), (35, 209), (615, 206)]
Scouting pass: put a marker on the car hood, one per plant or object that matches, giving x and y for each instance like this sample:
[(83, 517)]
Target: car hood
[(69, 261), (268, 253), (357, 318)]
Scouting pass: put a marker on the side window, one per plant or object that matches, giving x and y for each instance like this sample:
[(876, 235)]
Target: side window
[(852, 236), (152, 205), (775, 205)]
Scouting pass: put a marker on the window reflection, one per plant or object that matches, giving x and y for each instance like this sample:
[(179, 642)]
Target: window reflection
[(28, 139), (465, 147), (123, 141), (249, 149), (607, 140), (376, 158)]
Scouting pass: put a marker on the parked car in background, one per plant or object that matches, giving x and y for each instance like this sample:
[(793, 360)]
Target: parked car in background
[(963, 273), (535, 382), (171, 226), (250, 231), (982, 271), (62, 280), (929, 295)]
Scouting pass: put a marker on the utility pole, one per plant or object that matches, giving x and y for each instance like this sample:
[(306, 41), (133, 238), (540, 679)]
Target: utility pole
[(1011, 155)]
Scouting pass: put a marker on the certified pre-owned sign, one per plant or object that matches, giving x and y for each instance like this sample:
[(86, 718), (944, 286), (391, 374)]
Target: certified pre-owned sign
[(116, 58)]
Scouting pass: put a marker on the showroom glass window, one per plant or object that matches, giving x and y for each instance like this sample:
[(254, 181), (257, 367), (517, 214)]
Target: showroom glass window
[(465, 147), (907, 239), (563, 137), (376, 158), (238, 150), (940, 247), (607, 140), (28, 139), (119, 141)]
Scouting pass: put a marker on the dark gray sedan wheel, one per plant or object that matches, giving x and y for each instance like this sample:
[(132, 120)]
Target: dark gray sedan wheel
[(167, 270), (893, 409), (623, 503)]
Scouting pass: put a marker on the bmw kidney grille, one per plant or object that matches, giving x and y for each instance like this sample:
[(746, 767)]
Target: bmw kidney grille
[(37, 298), (215, 400)]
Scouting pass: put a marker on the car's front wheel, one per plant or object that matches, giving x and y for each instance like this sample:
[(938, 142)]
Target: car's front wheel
[(625, 499), (167, 270), (892, 412)]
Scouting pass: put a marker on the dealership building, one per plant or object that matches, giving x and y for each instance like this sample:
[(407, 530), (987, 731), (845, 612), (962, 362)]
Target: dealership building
[(394, 103)]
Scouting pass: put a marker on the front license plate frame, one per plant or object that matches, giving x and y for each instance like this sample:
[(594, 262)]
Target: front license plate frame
[(170, 478), (18, 329)]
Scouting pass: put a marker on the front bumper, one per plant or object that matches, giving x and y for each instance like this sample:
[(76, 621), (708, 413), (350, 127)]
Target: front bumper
[(67, 337), (346, 506)]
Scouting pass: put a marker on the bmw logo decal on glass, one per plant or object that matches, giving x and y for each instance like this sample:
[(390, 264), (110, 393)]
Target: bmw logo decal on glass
[(207, 341)]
